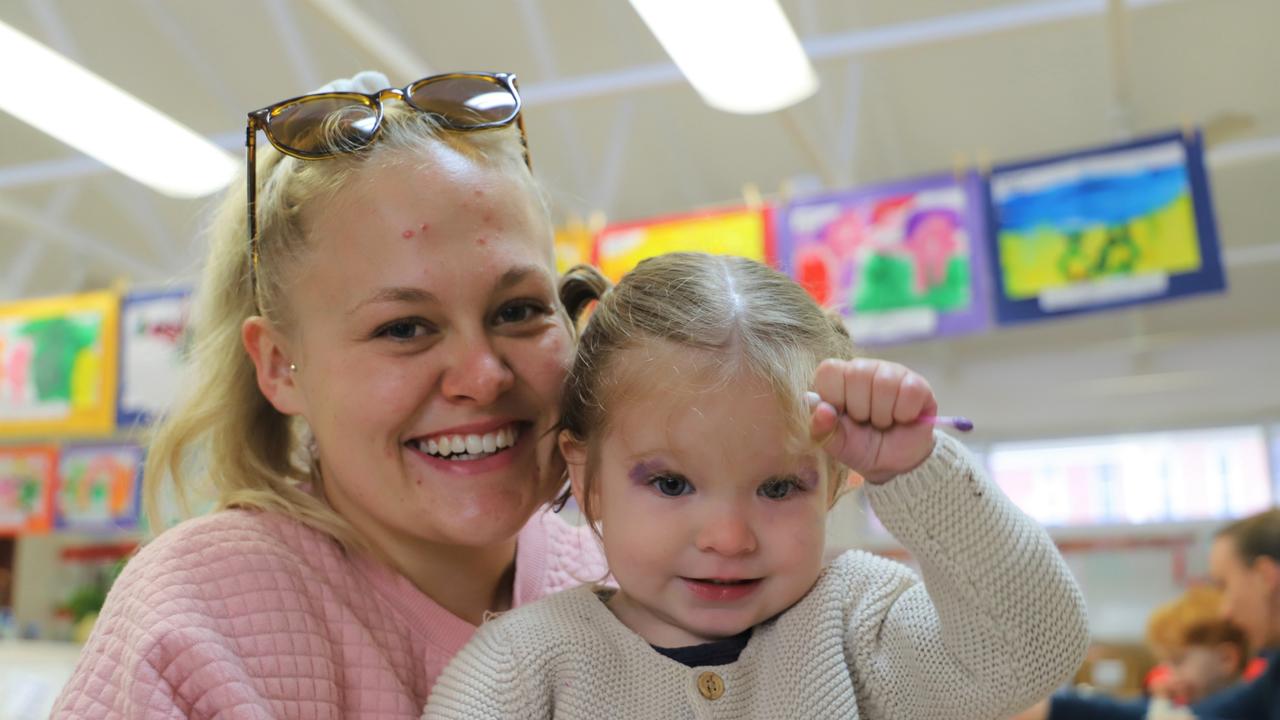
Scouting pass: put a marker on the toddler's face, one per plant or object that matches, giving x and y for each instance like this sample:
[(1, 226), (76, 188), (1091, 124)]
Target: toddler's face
[(1201, 670), (710, 523)]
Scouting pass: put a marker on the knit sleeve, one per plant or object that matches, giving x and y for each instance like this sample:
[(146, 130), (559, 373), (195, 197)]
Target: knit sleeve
[(481, 682), (998, 623)]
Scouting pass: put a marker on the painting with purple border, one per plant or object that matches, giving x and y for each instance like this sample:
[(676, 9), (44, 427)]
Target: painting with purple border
[(152, 352), (99, 488), (1103, 228), (901, 261)]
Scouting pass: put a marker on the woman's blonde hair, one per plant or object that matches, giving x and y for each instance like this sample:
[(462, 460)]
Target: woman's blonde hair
[(223, 428), (740, 315)]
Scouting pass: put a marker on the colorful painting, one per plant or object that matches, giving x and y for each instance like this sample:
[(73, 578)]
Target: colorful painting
[(58, 360), (741, 231), (1103, 228), (98, 488), (900, 261), (153, 349), (27, 478)]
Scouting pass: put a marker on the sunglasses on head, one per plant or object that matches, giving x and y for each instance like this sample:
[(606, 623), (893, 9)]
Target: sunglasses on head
[(322, 125)]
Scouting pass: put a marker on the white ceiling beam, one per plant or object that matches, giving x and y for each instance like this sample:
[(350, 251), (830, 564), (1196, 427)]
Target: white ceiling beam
[(295, 46), (846, 131), (130, 197), (570, 138), (946, 28), (610, 175), (80, 242), (18, 273), (187, 45), (397, 59)]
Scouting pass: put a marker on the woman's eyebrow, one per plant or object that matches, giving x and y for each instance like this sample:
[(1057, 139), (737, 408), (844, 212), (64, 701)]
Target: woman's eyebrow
[(399, 294), (517, 274)]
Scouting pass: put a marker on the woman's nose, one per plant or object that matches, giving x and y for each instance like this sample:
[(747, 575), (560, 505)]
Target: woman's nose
[(727, 533), (477, 373)]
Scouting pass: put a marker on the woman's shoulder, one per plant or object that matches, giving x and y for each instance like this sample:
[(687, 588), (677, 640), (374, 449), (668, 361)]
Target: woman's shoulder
[(208, 555), (569, 555)]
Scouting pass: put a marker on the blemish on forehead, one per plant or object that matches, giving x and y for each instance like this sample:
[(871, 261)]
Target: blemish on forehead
[(407, 234), (477, 193), (424, 228), (481, 241)]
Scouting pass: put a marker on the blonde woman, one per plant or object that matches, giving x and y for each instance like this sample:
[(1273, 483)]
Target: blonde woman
[(379, 354), (708, 474)]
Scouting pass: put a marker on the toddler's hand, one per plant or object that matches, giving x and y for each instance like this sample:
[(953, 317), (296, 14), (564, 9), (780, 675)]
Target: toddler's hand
[(866, 417)]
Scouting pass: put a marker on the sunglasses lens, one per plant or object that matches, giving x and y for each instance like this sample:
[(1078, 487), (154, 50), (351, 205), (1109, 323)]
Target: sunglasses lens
[(465, 101), (324, 125)]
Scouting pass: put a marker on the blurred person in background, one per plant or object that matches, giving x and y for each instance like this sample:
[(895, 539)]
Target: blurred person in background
[(1244, 562)]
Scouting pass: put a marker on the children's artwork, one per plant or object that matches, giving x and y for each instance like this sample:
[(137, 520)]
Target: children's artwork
[(98, 488), (1103, 228), (58, 360), (900, 261), (152, 353), (27, 478), (741, 231)]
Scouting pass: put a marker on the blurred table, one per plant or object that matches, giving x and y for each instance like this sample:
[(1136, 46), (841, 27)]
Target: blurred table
[(31, 676)]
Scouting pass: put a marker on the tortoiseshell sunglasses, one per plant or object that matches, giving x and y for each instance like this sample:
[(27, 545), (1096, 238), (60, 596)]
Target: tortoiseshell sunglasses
[(322, 125)]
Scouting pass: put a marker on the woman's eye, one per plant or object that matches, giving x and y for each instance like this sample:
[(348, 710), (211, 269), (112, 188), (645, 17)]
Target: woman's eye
[(671, 485), (403, 330), (778, 489), (519, 312)]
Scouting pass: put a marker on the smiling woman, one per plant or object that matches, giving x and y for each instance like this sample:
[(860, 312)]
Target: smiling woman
[(377, 376)]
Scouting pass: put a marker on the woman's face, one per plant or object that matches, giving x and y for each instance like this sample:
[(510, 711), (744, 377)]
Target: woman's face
[(1250, 594), (431, 351)]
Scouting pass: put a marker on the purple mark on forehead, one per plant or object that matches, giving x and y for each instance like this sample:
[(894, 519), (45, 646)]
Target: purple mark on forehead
[(645, 469)]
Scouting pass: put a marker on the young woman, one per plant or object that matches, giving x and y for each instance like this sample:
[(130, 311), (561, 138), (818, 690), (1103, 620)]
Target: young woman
[(378, 362)]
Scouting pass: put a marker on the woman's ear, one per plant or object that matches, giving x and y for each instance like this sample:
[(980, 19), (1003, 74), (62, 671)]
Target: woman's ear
[(1268, 570), (575, 458), (276, 374)]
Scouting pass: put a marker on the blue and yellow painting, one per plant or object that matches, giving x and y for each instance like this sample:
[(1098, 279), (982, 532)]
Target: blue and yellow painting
[(1118, 217)]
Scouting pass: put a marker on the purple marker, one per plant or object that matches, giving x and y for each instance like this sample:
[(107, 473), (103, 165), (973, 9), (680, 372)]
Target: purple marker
[(961, 424)]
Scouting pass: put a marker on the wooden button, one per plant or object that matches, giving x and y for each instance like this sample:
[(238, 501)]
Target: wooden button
[(710, 685)]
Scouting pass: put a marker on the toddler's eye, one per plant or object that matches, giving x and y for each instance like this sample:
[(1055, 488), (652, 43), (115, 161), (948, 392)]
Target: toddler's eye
[(671, 485), (778, 489)]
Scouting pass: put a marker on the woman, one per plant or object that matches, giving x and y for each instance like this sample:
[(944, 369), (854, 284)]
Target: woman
[(379, 354), (1244, 561)]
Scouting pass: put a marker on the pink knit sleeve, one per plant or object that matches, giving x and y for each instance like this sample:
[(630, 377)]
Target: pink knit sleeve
[(181, 631)]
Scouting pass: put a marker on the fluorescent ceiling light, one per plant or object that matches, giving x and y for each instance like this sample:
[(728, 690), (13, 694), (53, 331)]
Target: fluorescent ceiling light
[(740, 55), (54, 95)]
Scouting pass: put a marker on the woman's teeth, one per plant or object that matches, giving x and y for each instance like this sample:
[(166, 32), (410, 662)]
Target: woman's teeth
[(468, 447)]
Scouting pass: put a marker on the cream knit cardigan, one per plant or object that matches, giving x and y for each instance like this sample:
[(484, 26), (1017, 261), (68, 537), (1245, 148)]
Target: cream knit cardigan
[(997, 624)]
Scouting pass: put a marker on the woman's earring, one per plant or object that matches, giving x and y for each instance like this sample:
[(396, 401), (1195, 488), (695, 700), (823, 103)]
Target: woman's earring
[(293, 368)]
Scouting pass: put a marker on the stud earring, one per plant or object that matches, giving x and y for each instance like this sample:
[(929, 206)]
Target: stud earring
[(293, 368)]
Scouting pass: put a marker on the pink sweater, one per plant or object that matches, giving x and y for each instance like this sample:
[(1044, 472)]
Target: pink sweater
[(251, 615)]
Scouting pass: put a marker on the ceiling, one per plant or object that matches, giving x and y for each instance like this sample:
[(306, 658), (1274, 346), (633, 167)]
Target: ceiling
[(907, 88)]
